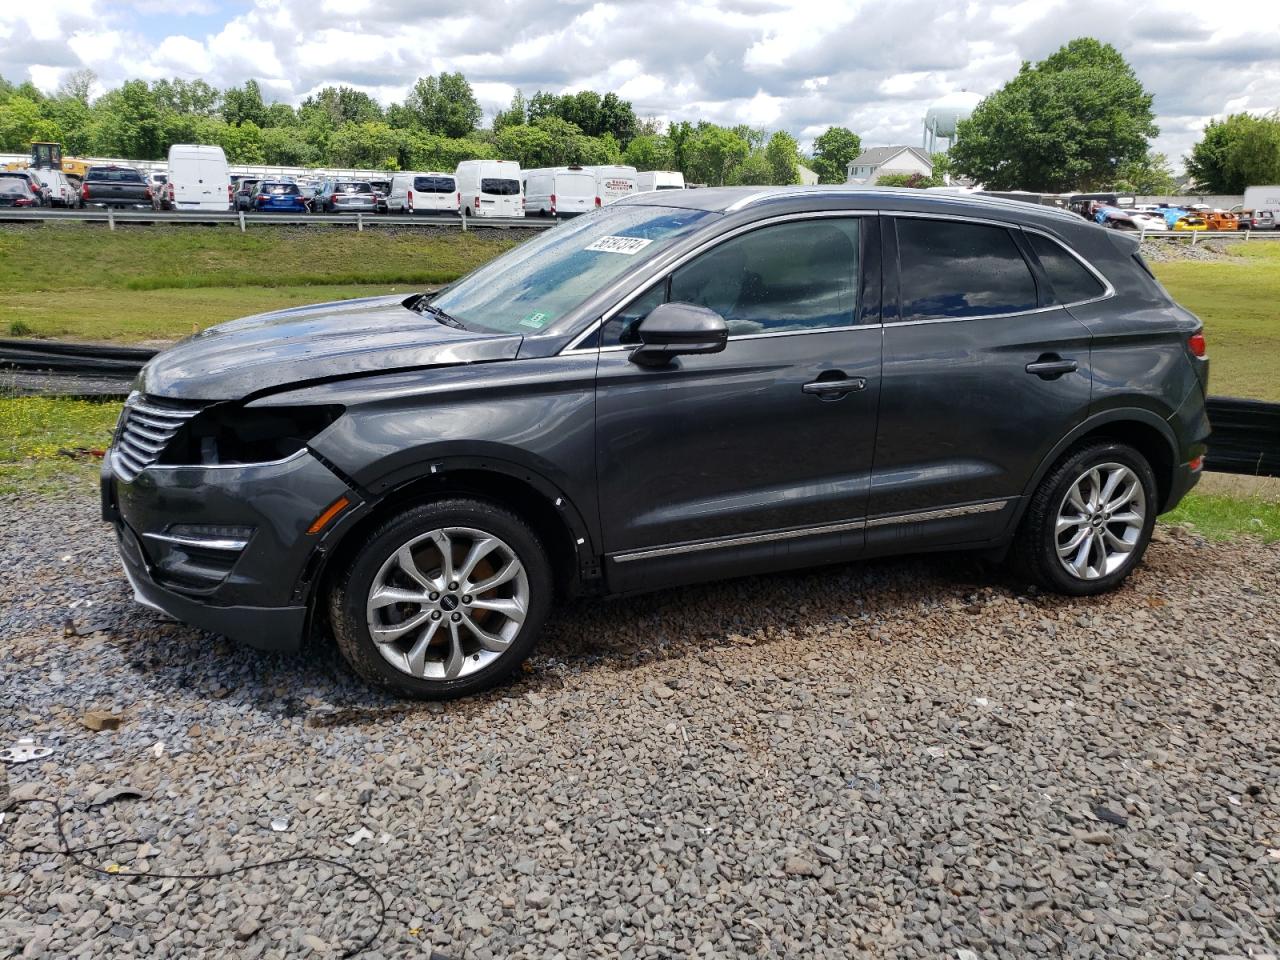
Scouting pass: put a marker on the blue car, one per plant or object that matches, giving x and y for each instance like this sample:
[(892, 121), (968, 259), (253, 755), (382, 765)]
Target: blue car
[(279, 196)]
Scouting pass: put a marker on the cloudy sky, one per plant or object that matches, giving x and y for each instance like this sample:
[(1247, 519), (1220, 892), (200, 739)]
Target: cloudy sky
[(800, 65)]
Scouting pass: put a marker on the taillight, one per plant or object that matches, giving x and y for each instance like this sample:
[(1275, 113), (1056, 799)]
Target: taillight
[(459, 198), (409, 197), (263, 196), (553, 199), (170, 189), (147, 193), (334, 198), (1197, 463), (597, 201), (34, 188), (84, 191), (1196, 344)]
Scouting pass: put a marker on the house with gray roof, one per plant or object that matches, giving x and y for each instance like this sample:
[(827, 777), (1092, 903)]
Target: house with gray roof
[(876, 162)]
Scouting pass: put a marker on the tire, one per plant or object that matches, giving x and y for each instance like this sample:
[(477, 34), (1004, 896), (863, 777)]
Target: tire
[(1101, 564), (444, 634)]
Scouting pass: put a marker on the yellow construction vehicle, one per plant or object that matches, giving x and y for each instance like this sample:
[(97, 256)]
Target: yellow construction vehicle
[(48, 156)]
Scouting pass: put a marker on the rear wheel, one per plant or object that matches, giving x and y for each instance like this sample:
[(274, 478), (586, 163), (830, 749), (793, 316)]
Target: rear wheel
[(1089, 521), (444, 600)]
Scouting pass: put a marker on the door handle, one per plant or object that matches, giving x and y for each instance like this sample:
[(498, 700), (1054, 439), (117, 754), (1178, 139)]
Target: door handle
[(1050, 366), (834, 389)]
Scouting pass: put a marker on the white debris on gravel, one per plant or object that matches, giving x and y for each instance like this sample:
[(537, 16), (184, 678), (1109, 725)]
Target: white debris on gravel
[(907, 758)]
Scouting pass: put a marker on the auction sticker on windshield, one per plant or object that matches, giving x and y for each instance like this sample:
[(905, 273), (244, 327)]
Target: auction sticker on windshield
[(624, 245)]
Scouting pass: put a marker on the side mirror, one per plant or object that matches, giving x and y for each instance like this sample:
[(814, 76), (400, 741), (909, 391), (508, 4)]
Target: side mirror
[(673, 329)]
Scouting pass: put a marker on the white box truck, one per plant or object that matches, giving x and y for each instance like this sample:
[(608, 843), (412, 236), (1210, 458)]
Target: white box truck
[(648, 180), (423, 193), (614, 182), (199, 178), (559, 191), (489, 188)]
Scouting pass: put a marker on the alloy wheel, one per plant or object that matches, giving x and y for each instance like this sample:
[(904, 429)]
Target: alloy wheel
[(447, 603), (1100, 521)]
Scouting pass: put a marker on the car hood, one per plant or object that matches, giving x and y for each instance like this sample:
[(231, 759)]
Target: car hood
[(325, 341)]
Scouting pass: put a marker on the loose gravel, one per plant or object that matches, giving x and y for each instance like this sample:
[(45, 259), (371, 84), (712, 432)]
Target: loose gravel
[(906, 758), (1172, 249)]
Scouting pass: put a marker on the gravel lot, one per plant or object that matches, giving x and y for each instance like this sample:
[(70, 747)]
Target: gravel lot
[(910, 758)]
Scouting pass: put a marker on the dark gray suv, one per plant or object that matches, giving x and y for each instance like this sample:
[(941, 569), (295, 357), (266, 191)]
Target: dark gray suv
[(680, 386)]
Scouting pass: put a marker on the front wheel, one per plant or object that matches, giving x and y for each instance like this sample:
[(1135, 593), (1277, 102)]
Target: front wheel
[(1089, 521), (443, 600)]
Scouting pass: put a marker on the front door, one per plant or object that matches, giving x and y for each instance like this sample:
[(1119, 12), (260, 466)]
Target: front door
[(983, 375), (758, 457)]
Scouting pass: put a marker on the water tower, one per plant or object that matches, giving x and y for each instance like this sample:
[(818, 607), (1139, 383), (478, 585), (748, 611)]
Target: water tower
[(942, 118)]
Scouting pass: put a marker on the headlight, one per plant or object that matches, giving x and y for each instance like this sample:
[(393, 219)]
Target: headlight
[(228, 434)]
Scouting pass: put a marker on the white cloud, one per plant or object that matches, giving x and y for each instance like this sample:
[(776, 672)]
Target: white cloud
[(779, 63)]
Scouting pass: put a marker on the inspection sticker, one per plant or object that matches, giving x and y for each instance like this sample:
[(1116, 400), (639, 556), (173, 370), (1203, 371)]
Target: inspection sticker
[(536, 320), (624, 245)]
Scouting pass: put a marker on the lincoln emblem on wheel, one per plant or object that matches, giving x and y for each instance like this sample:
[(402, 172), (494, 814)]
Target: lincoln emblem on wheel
[(677, 386)]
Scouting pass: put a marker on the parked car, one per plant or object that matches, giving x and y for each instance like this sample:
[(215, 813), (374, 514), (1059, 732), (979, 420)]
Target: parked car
[(659, 180), (58, 189), (1263, 220), (31, 182), (344, 196), (1220, 220), (381, 188), (279, 195), (682, 386), (199, 178), (1189, 222), (14, 192), (1119, 219), (245, 191), (110, 185), (423, 193), (489, 188), (559, 192), (614, 181)]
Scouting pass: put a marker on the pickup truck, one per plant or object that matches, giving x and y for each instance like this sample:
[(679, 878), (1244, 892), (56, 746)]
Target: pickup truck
[(113, 186)]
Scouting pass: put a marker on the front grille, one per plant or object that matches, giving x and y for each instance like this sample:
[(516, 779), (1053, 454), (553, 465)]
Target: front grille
[(146, 428)]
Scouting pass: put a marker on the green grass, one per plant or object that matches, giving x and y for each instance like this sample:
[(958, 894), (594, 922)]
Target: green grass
[(1239, 301), (46, 442), (1225, 517), (82, 281)]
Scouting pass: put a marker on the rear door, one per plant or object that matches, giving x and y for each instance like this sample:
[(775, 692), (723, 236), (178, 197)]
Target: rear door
[(982, 377), (758, 457)]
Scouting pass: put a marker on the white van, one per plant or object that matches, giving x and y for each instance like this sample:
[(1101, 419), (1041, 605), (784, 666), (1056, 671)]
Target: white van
[(559, 192), (198, 178), (489, 188), (614, 182), (649, 180), (60, 190), (423, 193)]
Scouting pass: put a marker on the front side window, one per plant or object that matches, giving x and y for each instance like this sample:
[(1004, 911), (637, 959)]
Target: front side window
[(790, 276), (952, 269)]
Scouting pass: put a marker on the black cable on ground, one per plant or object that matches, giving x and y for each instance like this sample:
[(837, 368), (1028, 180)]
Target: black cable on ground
[(75, 855)]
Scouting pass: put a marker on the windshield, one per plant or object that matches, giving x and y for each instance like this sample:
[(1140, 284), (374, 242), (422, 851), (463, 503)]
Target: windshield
[(433, 184), (542, 280), (354, 187), (12, 186), (114, 174), (281, 189), (501, 188)]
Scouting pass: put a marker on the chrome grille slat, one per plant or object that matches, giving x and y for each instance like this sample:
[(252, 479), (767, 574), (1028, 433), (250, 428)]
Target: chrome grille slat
[(147, 429)]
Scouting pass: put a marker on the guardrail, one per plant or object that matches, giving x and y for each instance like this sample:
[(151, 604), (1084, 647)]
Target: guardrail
[(244, 220), (1245, 439), (1200, 236)]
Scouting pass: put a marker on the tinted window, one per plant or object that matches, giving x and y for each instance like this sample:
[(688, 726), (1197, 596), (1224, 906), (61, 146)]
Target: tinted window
[(622, 326), (953, 269), (433, 185), (114, 174), (793, 276), (351, 186), (501, 188), (1070, 280), (281, 189), (12, 186)]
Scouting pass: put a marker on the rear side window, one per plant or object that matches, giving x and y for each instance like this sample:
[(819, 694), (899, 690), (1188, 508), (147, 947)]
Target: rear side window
[(433, 184), (951, 269), (1070, 280)]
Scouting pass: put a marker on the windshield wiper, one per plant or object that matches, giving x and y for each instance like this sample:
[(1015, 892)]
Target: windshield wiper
[(440, 315)]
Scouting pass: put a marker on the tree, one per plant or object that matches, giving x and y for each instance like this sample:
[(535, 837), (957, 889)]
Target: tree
[(430, 152), (514, 115), (445, 105), (1150, 175), (335, 106), (754, 171), (833, 151), (195, 97), (1241, 151), (78, 85), (617, 118), (649, 152), (22, 121), (942, 166), (127, 123), (1066, 123), (288, 147), (711, 153), (783, 156), (369, 145), (245, 105), (917, 181)]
